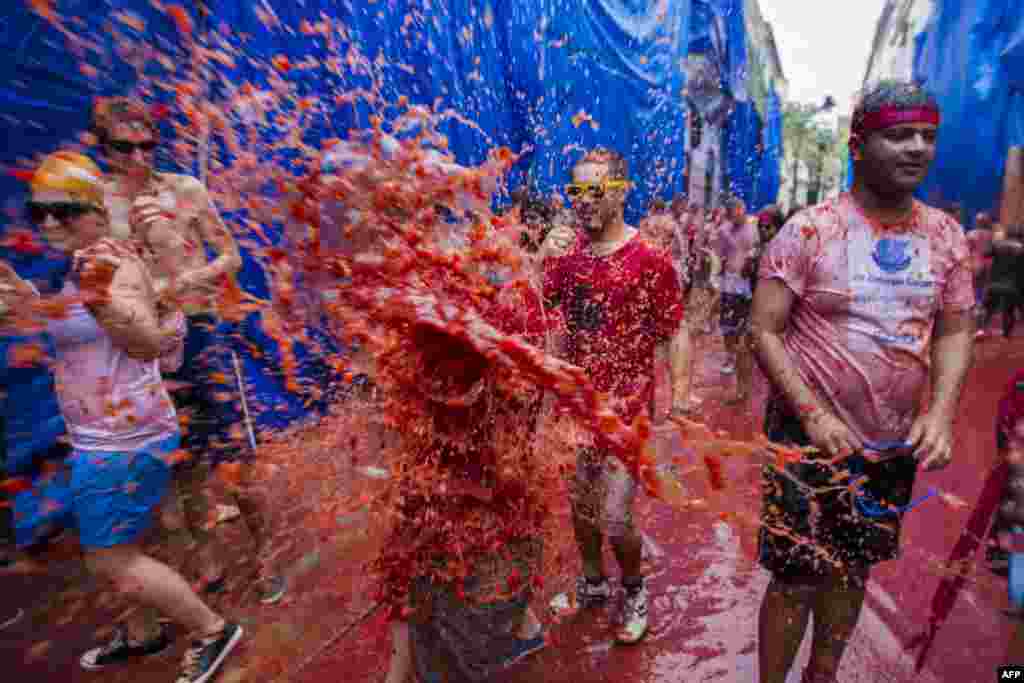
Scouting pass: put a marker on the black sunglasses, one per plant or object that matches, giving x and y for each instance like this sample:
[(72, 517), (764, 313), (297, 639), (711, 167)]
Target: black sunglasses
[(125, 147), (62, 212)]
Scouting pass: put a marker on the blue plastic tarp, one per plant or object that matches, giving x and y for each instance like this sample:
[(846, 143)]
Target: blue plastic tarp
[(971, 56), (548, 78)]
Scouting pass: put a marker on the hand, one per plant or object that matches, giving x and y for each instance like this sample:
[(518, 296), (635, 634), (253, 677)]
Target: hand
[(932, 439), (13, 290), (11, 284), (830, 435), (146, 212), (558, 241)]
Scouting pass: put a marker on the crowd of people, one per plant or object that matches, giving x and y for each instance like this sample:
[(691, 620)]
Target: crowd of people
[(851, 309)]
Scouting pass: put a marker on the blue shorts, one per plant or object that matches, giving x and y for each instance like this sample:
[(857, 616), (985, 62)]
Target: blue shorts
[(110, 497)]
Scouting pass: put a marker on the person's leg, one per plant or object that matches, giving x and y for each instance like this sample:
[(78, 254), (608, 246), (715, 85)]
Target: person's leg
[(782, 622), (192, 508), (626, 542), (837, 608), (714, 307), (586, 497), (688, 354), (1010, 314), (627, 545), (744, 368), (143, 579), (988, 310), (590, 542), (400, 666)]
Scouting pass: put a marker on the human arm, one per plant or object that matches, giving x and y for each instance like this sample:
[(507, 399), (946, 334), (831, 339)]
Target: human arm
[(174, 237), (680, 359), (119, 294), (15, 293), (951, 355), (213, 231), (772, 307)]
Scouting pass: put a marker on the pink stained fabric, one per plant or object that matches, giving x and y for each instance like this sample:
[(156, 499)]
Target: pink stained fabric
[(734, 246), (867, 297), (110, 402), (617, 309)]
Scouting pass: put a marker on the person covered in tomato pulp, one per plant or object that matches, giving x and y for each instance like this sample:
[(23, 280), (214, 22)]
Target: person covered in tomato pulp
[(621, 300), (862, 301)]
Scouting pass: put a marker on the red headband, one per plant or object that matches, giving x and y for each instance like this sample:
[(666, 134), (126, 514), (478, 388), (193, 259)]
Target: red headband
[(892, 115)]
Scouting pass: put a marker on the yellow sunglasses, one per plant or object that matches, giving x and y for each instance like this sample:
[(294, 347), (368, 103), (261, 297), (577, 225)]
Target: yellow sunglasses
[(595, 190)]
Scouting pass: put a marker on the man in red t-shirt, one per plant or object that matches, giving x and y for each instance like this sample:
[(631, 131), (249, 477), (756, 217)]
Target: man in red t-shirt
[(621, 300)]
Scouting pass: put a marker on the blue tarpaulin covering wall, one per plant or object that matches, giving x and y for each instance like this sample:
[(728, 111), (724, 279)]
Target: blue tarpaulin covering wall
[(547, 78), (753, 139), (971, 56)]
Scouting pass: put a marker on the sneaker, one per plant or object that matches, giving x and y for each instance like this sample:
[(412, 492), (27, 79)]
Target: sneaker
[(592, 594), (634, 617), (272, 589), (12, 620), (525, 648), (120, 650), (204, 657)]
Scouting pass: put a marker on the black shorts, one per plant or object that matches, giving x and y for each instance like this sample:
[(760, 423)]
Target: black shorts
[(734, 320), (809, 524), (1002, 297), (214, 431)]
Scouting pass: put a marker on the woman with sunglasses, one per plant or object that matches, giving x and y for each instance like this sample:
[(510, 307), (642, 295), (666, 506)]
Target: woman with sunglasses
[(122, 424)]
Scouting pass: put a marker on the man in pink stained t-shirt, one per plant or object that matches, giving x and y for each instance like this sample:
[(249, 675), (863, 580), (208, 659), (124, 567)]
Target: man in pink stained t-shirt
[(621, 301), (736, 247), (861, 301)]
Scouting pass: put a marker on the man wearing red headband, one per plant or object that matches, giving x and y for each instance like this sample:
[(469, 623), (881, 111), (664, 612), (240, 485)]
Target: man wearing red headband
[(861, 301)]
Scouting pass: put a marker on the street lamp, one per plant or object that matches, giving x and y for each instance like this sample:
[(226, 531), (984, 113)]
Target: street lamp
[(828, 104)]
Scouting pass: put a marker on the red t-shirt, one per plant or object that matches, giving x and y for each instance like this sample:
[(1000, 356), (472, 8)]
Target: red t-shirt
[(617, 308)]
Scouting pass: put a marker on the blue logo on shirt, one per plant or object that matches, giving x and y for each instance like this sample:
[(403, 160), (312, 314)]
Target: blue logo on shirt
[(891, 255)]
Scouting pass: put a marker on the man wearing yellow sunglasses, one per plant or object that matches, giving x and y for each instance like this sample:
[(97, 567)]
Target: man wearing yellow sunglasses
[(621, 301)]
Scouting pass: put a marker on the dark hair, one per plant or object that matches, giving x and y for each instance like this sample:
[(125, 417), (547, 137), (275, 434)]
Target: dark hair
[(887, 93), (110, 111), (618, 167)]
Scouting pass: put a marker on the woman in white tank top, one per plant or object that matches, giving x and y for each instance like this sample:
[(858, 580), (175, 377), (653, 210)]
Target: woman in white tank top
[(123, 427)]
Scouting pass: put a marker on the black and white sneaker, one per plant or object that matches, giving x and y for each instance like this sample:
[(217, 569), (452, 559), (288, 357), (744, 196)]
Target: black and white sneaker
[(204, 657), (120, 650), (634, 617), (590, 594), (272, 589), (587, 594)]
